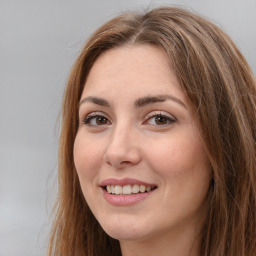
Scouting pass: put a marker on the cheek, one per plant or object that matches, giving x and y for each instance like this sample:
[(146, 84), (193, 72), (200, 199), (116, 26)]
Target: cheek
[(86, 157), (176, 152), (87, 162), (180, 159), (184, 169)]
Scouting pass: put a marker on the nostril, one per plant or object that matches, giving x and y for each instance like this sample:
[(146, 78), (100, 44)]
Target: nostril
[(125, 162)]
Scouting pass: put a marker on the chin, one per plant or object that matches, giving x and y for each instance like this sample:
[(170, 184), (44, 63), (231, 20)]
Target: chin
[(125, 236), (125, 231)]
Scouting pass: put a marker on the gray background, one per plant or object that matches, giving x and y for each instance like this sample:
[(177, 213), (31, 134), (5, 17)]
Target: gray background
[(39, 40)]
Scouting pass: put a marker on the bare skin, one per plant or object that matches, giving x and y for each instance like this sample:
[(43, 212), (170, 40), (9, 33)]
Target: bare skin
[(136, 124)]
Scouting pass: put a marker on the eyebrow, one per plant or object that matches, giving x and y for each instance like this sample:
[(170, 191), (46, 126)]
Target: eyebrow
[(158, 98), (141, 102), (95, 100)]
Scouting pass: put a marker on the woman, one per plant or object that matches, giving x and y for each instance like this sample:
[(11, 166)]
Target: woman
[(157, 149)]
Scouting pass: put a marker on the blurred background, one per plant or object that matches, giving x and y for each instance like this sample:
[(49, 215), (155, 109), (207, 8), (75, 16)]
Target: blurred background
[(39, 41)]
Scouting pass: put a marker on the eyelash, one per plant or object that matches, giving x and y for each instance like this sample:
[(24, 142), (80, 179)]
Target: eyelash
[(88, 118), (169, 119)]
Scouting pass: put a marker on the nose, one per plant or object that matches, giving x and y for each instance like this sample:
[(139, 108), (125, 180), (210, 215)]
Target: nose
[(122, 150)]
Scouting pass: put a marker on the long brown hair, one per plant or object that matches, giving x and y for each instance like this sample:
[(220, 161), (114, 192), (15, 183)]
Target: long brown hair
[(219, 85)]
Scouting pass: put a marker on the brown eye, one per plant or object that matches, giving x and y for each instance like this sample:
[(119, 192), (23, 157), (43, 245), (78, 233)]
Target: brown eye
[(96, 120), (100, 120), (161, 120)]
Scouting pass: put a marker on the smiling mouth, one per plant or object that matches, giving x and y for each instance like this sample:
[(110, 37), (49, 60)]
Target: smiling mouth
[(128, 189)]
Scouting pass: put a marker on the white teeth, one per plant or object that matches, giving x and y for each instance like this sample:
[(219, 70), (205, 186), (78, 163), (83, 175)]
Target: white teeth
[(148, 189), (142, 188), (135, 189), (118, 190), (109, 188), (127, 189)]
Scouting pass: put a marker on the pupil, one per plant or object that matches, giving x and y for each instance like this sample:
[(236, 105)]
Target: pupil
[(101, 120), (161, 120)]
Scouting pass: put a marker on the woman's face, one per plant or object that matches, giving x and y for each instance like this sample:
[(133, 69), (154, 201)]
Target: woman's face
[(138, 153)]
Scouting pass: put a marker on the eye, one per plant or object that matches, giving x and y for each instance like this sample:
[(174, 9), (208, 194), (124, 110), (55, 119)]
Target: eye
[(160, 119), (95, 119)]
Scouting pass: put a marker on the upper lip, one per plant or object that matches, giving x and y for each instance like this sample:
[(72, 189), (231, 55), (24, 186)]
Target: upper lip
[(124, 181)]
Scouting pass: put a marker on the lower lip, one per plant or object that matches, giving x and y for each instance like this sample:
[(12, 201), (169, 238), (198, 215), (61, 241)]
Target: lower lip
[(127, 200)]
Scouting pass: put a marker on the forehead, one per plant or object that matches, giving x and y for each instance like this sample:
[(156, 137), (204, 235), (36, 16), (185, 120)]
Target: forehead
[(138, 69)]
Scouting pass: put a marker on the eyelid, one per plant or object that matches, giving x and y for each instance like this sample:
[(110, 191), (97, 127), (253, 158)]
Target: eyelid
[(88, 116), (160, 113)]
